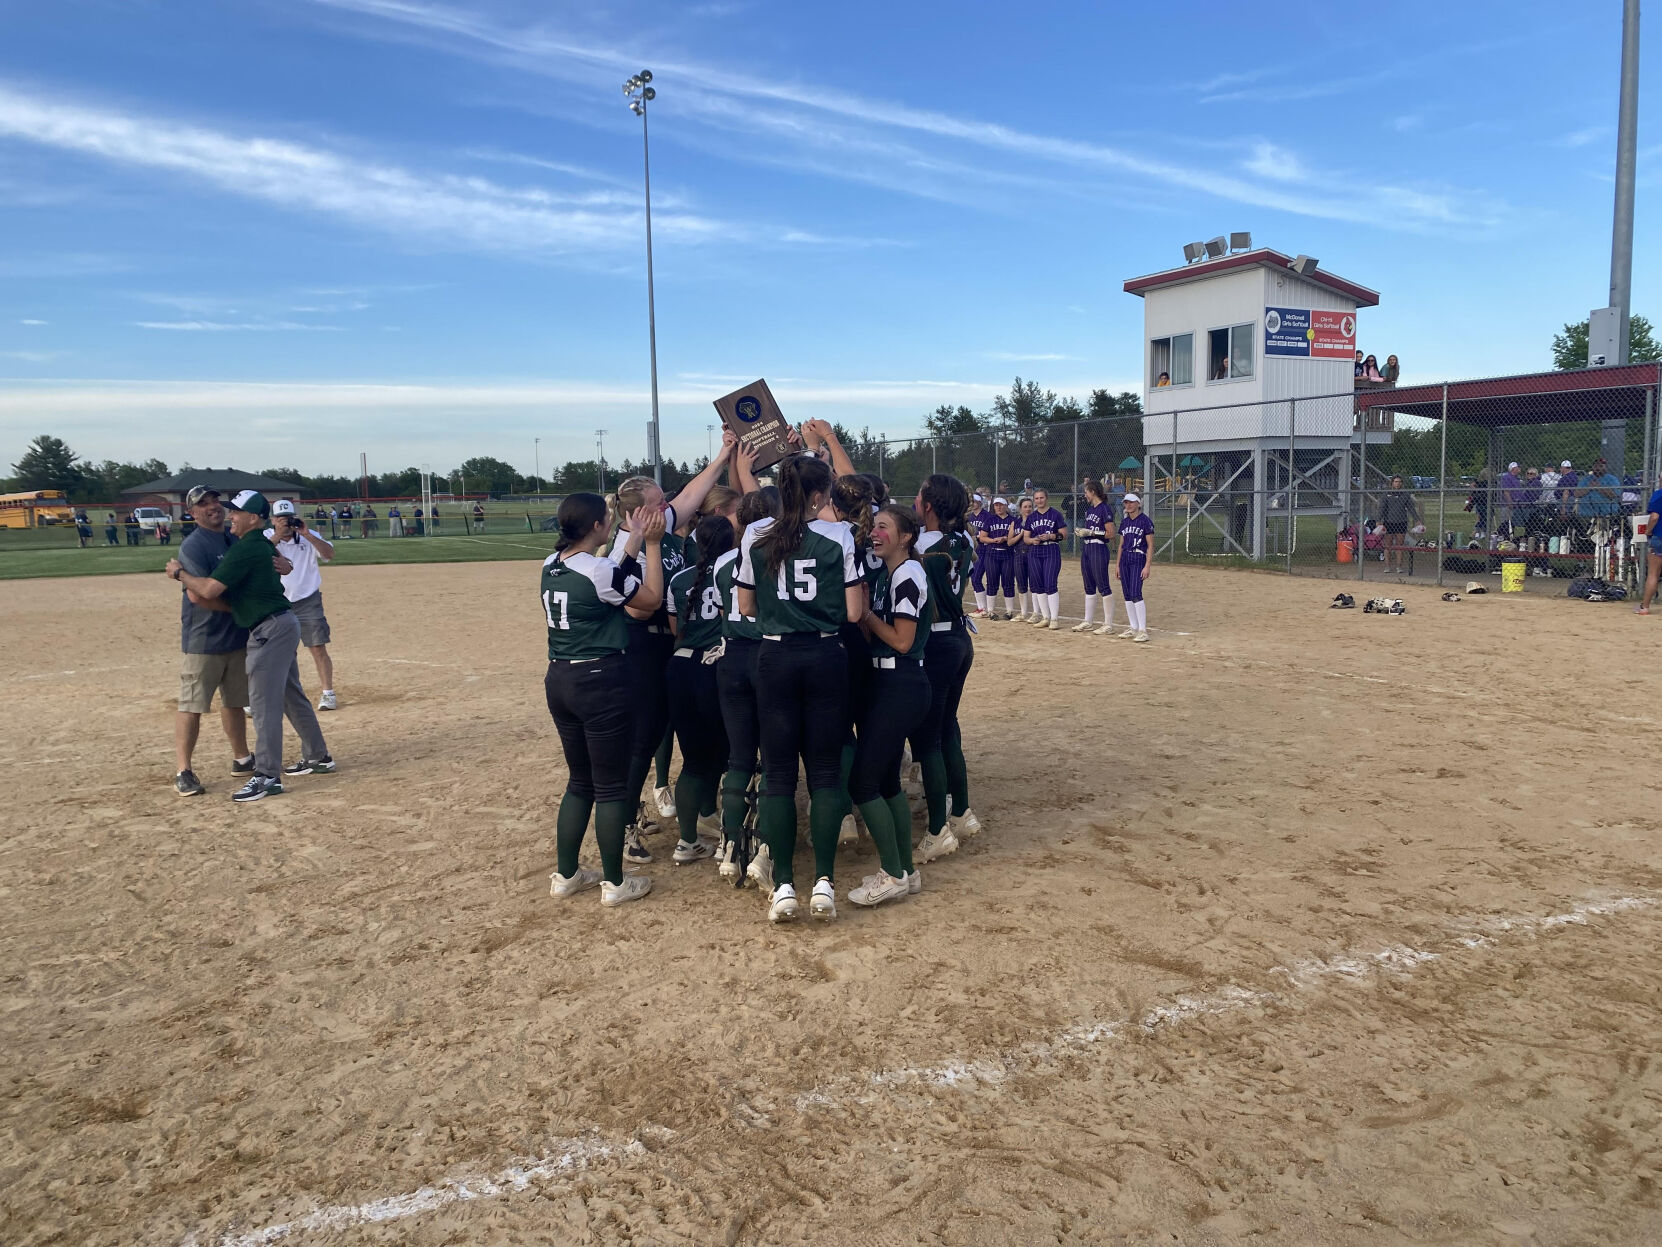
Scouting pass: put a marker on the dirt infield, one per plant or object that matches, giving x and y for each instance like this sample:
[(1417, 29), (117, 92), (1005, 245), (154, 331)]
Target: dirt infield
[(1293, 926)]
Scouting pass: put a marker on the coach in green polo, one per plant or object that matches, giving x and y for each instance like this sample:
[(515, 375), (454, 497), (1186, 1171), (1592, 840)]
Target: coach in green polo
[(246, 583)]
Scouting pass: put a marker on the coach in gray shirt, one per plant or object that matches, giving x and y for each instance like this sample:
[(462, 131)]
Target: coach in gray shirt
[(214, 650)]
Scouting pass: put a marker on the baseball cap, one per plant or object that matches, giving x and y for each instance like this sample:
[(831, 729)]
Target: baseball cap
[(283, 506), (1565, 464), (1131, 498), (252, 501), (1004, 501), (199, 493), (1511, 467)]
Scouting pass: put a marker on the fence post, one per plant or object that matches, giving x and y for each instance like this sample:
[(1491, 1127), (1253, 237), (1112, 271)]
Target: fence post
[(1073, 528), (1361, 492), (1442, 487), (1292, 489)]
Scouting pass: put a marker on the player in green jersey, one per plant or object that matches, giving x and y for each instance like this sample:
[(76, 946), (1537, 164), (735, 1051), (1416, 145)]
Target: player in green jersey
[(736, 685), (853, 498), (938, 744), (798, 577), (587, 602), (696, 610)]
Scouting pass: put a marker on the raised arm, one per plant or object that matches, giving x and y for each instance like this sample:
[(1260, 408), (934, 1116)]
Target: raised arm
[(841, 464), (691, 498), (744, 465)]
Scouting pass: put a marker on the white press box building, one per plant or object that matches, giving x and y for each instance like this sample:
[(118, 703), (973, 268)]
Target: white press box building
[(1248, 364)]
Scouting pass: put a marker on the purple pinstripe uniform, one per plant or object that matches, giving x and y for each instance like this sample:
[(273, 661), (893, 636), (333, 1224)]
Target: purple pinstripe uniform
[(1044, 561), (978, 569), (1132, 557), (1094, 549), (999, 560)]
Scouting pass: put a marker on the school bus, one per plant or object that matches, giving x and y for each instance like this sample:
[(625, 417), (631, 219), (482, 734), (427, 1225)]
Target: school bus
[(36, 509)]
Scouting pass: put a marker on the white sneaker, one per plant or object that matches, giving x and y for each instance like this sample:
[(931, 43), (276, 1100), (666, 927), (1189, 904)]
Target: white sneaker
[(727, 859), (710, 824), (1130, 634), (634, 848), (1020, 618), (760, 870), (875, 889), (782, 908), (848, 833), (1083, 627), (1141, 636), (1056, 625), (1039, 621), (560, 886), (664, 799), (822, 904), (1107, 629), (632, 888), (964, 825), (686, 854), (927, 848), (327, 701), (914, 882)]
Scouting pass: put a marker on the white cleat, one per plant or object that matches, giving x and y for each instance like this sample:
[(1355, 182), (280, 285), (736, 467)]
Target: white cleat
[(782, 907), (822, 904), (632, 888), (964, 825), (328, 702), (1056, 625), (634, 848), (848, 833), (686, 854), (928, 848), (1141, 636), (1083, 627), (1130, 634), (664, 799), (760, 870), (914, 882), (1107, 629), (1039, 621), (710, 824), (875, 889), (727, 861), (560, 886)]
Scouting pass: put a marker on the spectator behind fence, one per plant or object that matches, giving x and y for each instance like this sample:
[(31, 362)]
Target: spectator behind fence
[(1370, 371), (1396, 508), (395, 521), (1653, 568), (110, 538), (1599, 494), (366, 520), (1391, 371), (478, 517), (1477, 502), (1511, 497), (1356, 371), (83, 527)]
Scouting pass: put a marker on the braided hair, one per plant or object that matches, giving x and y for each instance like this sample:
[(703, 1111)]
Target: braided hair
[(714, 535)]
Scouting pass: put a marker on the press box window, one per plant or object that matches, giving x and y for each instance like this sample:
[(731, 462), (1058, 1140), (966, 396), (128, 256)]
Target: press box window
[(1229, 353), (1174, 356)]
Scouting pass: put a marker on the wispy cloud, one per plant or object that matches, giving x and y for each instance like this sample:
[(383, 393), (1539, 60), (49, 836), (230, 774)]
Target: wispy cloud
[(1275, 163), (1581, 138), (1016, 357), (542, 52), (215, 326), (1407, 123), (33, 357), (31, 322)]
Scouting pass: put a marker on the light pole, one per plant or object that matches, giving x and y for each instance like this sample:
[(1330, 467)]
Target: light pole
[(536, 443), (600, 457), (638, 93), (709, 442)]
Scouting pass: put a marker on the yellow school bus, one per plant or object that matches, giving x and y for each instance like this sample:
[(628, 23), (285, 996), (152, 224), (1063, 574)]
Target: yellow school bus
[(36, 509)]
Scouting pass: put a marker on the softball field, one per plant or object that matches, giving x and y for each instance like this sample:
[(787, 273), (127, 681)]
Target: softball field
[(1295, 926)]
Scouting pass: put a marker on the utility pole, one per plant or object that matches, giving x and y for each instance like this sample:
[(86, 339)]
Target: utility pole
[(600, 457)]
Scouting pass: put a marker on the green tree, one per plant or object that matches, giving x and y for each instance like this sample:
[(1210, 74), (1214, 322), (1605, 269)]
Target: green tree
[(488, 474), (49, 463), (1024, 406), (1569, 349), (948, 420), (1104, 405)]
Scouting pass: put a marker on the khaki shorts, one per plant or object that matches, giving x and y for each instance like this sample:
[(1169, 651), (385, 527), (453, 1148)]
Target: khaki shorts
[(200, 675), (314, 624)]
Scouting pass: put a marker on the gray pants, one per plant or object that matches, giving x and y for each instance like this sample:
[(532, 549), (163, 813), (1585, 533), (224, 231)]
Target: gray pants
[(274, 691)]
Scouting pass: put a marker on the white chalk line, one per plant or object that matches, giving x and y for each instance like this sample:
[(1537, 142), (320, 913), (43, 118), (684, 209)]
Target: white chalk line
[(569, 1155), (1301, 975), (566, 1156)]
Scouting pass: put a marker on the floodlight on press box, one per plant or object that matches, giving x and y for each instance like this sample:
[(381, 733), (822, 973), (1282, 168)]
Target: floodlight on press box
[(1239, 241), (1216, 247), (1192, 251)]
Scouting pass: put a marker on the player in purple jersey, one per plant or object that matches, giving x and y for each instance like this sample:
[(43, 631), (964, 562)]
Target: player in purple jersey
[(1024, 599), (1043, 533), (1096, 533), (1135, 565), (993, 540), (978, 516)]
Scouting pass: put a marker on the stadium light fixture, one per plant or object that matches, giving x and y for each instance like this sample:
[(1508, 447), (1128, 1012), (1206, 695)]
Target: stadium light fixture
[(1216, 247), (638, 94), (1304, 265), (1240, 241), (1192, 251)]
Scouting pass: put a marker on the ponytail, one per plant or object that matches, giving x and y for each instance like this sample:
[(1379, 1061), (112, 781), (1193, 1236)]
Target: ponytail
[(800, 478), (948, 499), (577, 516), (714, 535), (853, 497)]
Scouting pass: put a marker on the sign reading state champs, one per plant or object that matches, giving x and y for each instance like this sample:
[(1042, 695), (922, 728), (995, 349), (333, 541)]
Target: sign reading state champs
[(1307, 334)]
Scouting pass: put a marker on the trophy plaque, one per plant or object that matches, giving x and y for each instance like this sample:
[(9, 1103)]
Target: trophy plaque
[(757, 422)]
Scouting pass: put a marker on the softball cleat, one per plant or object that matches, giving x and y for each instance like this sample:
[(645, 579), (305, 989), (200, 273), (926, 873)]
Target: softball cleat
[(581, 880), (964, 825), (822, 903), (1083, 627), (875, 889), (928, 848), (686, 854), (664, 799), (783, 907)]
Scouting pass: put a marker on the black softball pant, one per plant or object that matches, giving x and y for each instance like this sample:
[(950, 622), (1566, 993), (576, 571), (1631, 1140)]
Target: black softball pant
[(736, 686), (589, 702), (648, 656), (695, 710), (898, 703), (946, 661), (803, 678)]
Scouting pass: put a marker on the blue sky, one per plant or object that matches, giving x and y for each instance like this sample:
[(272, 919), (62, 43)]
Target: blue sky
[(284, 231)]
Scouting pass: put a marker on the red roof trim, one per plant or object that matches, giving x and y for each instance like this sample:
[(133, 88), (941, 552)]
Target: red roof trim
[(1617, 377), (1263, 256)]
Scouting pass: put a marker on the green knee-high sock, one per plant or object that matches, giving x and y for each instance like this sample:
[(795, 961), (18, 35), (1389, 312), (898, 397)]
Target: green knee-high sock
[(573, 821), (880, 823), (847, 770), (957, 774), (661, 759), (776, 817), (639, 768), (733, 785), (901, 811), (935, 789), (688, 797), (825, 819), (707, 799), (609, 820)]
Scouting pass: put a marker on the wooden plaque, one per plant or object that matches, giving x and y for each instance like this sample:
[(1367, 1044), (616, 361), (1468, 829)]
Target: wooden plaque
[(757, 422)]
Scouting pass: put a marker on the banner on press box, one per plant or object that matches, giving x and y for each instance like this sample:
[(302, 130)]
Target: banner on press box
[(1309, 334)]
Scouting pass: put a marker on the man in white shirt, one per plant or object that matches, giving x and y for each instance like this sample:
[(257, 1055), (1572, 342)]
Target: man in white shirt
[(303, 586)]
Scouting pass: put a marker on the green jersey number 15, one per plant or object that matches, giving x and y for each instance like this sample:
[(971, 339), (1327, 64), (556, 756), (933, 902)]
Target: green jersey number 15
[(804, 586)]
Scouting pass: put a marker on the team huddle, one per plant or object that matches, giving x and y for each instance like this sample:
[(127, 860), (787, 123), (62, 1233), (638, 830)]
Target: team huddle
[(814, 628)]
